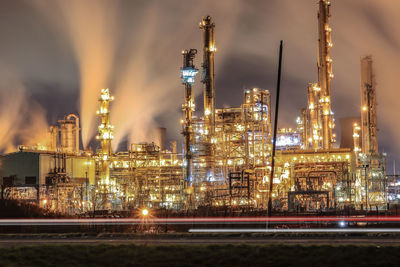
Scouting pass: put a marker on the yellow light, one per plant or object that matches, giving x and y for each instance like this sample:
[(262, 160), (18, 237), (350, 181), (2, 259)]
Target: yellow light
[(207, 112), (316, 88), (44, 201), (145, 212), (364, 108)]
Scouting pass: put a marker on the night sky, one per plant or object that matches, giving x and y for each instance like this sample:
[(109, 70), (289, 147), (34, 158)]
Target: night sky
[(55, 56)]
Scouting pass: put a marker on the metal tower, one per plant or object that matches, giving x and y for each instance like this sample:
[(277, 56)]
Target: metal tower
[(105, 135), (188, 74), (207, 27), (325, 73), (369, 124)]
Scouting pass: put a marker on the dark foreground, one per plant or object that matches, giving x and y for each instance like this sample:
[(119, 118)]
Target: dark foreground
[(199, 255)]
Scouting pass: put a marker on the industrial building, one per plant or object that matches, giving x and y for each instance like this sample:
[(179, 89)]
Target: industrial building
[(227, 152)]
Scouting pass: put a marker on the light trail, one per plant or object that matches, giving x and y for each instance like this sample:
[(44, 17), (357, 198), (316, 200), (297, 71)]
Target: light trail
[(308, 230), (199, 220)]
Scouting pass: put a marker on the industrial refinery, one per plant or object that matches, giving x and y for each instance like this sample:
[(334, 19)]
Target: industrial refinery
[(227, 153)]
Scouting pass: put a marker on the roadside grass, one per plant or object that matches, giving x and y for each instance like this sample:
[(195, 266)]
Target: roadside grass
[(199, 255)]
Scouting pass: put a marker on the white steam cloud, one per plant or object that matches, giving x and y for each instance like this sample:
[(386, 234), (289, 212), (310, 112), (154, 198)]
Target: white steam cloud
[(136, 54), (23, 121)]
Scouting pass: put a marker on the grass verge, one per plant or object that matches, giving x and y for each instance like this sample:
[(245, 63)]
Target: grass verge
[(197, 255)]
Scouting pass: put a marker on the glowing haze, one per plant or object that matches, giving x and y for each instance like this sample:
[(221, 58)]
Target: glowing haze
[(23, 120), (140, 64)]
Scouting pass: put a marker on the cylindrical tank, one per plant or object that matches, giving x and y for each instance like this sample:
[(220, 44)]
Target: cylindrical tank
[(69, 129)]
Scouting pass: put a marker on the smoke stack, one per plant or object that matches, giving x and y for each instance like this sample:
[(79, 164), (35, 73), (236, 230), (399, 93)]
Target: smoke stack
[(161, 137), (346, 129)]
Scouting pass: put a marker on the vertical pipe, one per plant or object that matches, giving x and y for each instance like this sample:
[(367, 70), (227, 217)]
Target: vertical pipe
[(394, 167), (278, 87), (77, 134)]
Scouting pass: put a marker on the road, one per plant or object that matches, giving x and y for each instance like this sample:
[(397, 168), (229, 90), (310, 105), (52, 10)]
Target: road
[(204, 241)]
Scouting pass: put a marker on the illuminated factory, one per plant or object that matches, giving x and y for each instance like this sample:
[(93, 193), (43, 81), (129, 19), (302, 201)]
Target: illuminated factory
[(227, 152)]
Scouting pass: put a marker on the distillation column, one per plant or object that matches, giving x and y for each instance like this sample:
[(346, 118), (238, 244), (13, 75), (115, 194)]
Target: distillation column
[(105, 135), (369, 125), (188, 74), (325, 73), (207, 27)]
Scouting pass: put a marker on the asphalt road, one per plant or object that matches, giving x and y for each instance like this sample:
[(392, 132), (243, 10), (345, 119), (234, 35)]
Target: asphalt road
[(205, 241)]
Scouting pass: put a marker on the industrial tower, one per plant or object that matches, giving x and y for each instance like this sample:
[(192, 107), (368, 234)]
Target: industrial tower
[(105, 135), (325, 73), (318, 121), (207, 27), (369, 125), (188, 74)]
